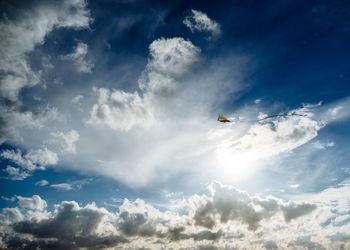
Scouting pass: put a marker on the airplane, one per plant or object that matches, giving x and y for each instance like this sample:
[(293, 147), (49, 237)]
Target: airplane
[(222, 118)]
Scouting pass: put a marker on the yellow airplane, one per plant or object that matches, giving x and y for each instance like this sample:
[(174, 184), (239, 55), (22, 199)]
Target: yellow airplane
[(222, 118)]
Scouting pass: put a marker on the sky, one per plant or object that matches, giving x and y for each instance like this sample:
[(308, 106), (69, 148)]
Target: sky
[(109, 136)]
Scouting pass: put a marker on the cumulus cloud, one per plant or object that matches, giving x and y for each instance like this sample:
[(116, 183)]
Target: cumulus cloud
[(28, 162), (169, 59), (14, 120), (35, 202), (73, 226), (199, 21), (67, 140), (78, 56), (18, 37), (171, 56), (238, 218), (120, 110), (227, 203), (16, 174), (33, 159)]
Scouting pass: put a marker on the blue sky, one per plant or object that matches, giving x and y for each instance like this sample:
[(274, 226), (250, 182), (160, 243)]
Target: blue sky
[(108, 124)]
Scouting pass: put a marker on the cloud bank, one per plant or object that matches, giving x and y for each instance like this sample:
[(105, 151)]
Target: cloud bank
[(225, 217)]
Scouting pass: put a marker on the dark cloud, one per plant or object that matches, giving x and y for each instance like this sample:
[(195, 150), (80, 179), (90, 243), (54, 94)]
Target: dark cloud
[(295, 210), (71, 226), (306, 242), (68, 223), (270, 244), (81, 242), (228, 203), (135, 224)]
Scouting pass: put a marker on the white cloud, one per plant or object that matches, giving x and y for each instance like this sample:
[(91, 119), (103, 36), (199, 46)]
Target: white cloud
[(35, 202), (335, 111), (266, 139), (169, 59), (42, 183), (79, 58), (16, 122), (77, 99), (294, 186), (41, 157), (67, 140), (323, 145), (199, 21), (257, 101), (18, 37), (120, 110), (16, 174), (72, 185), (62, 186), (172, 57), (14, 214), (28, 162)]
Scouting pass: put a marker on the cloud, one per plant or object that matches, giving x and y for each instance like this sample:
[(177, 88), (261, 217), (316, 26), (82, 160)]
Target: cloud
[(293, 210), (67, 140), (227, 203), (77, 99), (14, 214), (35, 202), (175, 95), (19, 36), (305, 241), (268, 138), (14, 120), (294, 186), (74, 226), (239, 219), (42, 183), (168, 60), (73, 185), (257, 101), (120, 110), (323, 145), (62, 186), (32, 160), (173, 56), (78, 56), (16, 174), (199, 21), (28, 162)]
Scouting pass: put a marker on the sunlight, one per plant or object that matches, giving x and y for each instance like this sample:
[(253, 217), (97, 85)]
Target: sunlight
[(234, 165)]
